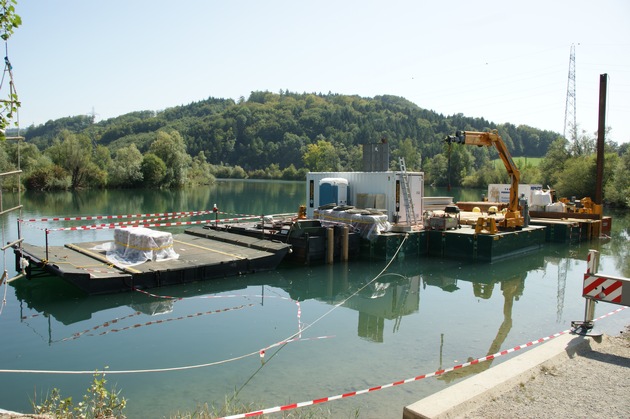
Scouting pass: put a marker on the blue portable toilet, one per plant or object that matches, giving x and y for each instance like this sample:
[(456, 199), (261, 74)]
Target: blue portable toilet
[(333, 191)]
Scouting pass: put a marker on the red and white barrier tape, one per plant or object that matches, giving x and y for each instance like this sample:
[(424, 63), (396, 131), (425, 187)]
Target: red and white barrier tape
[(121, 224), (405, 381), (146, 223), (116, 217), (298, 335), (153, 322), (296, 302)]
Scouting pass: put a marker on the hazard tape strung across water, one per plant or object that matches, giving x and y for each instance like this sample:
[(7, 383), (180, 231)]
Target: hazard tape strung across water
[(115, 217), (136, 223), (407, 380), (121, 224), (139, 223)]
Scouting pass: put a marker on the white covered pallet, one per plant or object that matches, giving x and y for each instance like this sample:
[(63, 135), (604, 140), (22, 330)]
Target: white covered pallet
[(136, 245)]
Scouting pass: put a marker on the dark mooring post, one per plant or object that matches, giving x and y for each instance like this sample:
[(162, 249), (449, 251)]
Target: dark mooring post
[(601, 130)]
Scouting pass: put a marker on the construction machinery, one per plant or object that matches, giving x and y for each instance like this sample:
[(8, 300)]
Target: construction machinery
[(582, 206), (513, 218)]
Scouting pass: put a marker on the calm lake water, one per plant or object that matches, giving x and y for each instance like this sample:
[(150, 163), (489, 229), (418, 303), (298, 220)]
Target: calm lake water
[(353, 333)]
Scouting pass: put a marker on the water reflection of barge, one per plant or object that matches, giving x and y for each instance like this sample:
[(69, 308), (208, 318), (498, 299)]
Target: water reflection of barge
[(386, 299)]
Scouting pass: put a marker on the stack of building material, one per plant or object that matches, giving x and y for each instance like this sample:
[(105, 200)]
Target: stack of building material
[(136, 245)]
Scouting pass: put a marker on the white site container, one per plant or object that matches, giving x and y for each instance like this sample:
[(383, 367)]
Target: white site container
[(375, 190), (501, 192)]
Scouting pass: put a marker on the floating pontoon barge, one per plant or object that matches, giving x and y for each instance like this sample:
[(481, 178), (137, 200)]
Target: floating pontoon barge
[(203, 254)]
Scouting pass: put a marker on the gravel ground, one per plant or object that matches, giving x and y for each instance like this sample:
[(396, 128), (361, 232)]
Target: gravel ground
[(593, 384)]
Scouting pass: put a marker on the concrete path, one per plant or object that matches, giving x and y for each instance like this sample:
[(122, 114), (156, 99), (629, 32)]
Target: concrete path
[(568, 376)]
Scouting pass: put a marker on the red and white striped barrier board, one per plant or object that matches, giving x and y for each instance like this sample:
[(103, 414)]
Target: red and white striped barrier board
[(606, 288), (600, 287)]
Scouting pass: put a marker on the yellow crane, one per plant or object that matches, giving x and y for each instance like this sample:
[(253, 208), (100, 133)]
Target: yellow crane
[(513, 218)]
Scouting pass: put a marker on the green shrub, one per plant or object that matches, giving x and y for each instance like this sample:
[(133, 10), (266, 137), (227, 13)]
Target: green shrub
[(98, 402)]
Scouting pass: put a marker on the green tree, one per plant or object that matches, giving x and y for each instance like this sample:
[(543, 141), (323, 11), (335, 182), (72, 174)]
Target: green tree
[(200, 172), (486, 175), (436, 170), (102, 157), (126, 167), (412, 157), (579, 175), (153, 170), (73, 153), (617, 191), (5, 163), (553, 163), (238, 172), (577, 178), (47, 176), (170, 147), (290, 173), (273, 171), (27, 154), (460, 165), (584, 145), (321, 157)]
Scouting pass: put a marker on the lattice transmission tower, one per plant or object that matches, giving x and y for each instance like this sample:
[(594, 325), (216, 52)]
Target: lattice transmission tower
[(570, 117)]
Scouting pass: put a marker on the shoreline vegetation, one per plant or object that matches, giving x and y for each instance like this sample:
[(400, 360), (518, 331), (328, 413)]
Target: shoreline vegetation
[(99, 401), (283, 136)]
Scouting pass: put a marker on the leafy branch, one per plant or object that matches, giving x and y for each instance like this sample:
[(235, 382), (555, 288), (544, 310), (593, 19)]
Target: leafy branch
[(9, 21)]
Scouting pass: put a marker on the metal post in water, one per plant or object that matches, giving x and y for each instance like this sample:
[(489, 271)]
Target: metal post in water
[(525, 206), (345, 235), (601, 131), (330, 250), (46, 235)]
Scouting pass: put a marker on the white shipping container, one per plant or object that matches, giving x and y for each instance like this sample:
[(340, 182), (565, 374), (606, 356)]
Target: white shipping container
[(379, 190), (501, 192)]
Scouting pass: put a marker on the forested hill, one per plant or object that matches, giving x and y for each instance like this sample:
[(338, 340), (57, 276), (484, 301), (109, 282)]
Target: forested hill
[(277, 128)]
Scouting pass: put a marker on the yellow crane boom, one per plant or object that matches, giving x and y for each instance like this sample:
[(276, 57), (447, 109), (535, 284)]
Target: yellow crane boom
[(513, 216)]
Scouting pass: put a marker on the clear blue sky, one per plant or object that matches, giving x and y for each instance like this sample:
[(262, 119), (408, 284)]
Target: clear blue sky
[(501, 60)]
